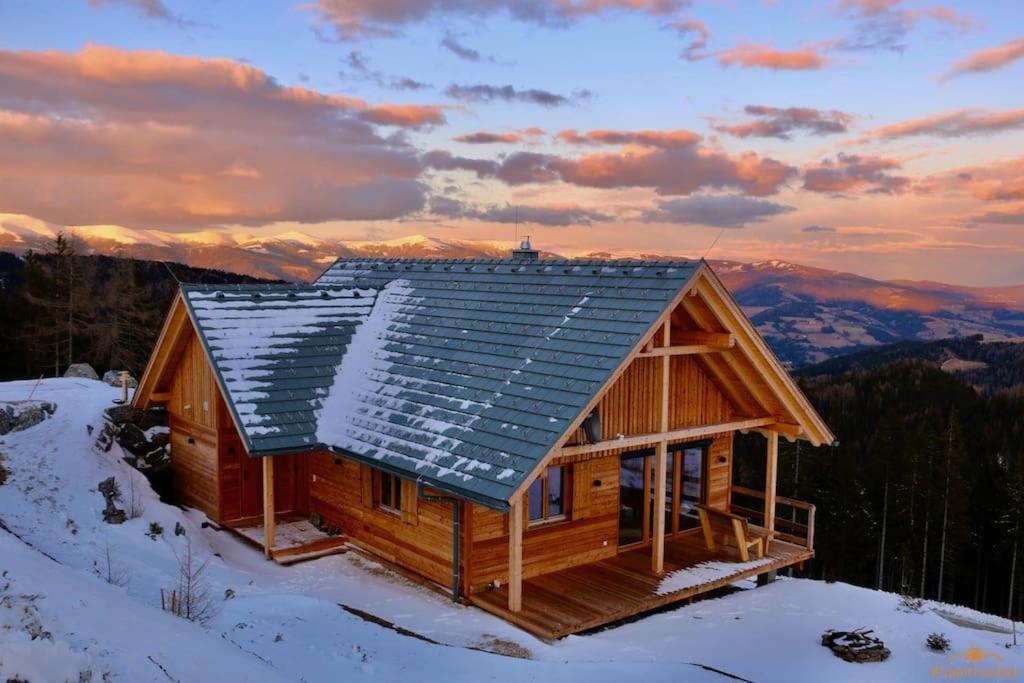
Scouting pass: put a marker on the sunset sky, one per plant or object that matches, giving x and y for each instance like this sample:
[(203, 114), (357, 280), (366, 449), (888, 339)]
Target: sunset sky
[(876, 136)]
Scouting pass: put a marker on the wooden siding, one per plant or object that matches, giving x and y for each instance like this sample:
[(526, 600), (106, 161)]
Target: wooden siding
[(194, 466), (194, 390), (591, 533), (423, 544), (632, 404)]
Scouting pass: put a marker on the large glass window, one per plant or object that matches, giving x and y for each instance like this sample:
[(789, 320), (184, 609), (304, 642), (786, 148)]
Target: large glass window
[(549, 496)]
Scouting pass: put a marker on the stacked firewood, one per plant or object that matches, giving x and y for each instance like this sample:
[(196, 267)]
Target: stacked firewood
[(856, 646)]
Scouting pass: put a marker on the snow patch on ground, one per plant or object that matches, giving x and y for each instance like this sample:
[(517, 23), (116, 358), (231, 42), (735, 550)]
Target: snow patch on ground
[(287, 624)]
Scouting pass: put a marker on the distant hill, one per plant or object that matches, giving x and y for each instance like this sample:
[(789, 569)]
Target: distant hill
[(987, 366), (807, 314)]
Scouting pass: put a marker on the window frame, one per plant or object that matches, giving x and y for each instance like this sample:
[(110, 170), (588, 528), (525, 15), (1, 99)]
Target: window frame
[(547, 519), (395, 490)]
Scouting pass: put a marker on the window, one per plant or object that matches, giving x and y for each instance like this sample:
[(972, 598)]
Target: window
[(549, 496), (692, 485), (389, 493)]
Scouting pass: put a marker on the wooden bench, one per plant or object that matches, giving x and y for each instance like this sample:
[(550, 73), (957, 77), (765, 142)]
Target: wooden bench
[(732, 526)]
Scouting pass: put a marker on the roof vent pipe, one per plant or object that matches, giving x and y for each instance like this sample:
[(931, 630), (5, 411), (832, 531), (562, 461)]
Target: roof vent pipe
[(525, 251)]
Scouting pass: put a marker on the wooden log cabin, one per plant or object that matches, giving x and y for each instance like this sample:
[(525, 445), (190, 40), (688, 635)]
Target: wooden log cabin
[(551, 441)]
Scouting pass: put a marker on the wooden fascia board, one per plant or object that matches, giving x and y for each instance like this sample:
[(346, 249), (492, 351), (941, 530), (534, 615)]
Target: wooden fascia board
[(765, 361), (641, 440), (655, 327), (170, 335)]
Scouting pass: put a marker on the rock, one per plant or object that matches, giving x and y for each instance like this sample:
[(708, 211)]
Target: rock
[(143, 419), (133, 440), (83, 370), (113, 378), (111, 492), (18, 415)]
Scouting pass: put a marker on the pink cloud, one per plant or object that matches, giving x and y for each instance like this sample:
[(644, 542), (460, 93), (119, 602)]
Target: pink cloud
[(644, 138), (752, 55), (853, 172), (954, 124), (148, 139), (990, 59)]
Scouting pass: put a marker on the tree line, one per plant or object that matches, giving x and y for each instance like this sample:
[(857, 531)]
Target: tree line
[(59, 306), (924, 492)]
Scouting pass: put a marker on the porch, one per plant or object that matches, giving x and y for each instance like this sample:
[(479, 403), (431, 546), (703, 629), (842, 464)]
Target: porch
[(591, 595), (295, 539)]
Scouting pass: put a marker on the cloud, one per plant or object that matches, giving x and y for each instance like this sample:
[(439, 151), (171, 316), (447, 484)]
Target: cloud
[(719, 211), (697, 33), (670, 171), (883, 25), (152, 9), (487, 138), (954, 124), (823, 229), (367, 18), (361, 68), (644, 138), (451, 43), (752, 55), (854, 172), (146, 138), (508, 93), (990, 59), (554, 216), (779, 123), (995, 181), (1012, 216)]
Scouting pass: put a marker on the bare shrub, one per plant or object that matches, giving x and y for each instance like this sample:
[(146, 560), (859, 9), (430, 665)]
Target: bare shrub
[(108, 571), (908, 603), (190, 599)]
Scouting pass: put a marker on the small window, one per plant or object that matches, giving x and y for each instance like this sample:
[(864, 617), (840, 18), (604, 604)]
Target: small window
[(389, 493), (549, 496)]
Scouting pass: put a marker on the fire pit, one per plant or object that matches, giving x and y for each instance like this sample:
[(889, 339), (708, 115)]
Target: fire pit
[(855, 646)]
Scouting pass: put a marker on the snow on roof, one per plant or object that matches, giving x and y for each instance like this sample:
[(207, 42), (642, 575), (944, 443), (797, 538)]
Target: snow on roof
[(462, 373)]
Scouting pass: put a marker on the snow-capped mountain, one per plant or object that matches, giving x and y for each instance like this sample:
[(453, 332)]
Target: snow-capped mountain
[(808, 314)]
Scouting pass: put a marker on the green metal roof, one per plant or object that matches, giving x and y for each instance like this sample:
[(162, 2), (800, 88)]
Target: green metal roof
[(459, 373)]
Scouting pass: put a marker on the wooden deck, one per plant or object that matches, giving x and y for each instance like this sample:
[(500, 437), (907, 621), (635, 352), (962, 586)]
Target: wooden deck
[(295, 540), (600, 593)]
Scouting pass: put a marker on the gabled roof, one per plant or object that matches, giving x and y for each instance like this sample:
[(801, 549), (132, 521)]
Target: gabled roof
[(464, 374)]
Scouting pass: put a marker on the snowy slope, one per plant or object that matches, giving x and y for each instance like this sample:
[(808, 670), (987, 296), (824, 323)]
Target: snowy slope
[(288, 623)]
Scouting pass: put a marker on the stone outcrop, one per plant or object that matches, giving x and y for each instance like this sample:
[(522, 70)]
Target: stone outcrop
[(18, 415), (113, 378), (82, 370)]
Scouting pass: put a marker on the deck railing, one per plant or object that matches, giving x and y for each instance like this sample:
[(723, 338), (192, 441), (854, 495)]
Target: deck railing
[(795, 526)]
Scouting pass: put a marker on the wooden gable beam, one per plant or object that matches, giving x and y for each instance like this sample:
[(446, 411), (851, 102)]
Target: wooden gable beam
[(761, 357), (654, 438), (682, 350), (729, 381)]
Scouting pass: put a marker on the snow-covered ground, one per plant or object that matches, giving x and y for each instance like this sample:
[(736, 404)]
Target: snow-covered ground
[(60, 616)]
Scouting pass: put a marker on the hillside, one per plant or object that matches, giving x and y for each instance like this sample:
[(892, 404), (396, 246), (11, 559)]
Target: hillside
[(988, 366), (79, 600), (808, 314)]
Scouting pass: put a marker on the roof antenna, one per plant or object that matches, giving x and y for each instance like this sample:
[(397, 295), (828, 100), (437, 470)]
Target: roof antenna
[(704, 257), (515, 210)]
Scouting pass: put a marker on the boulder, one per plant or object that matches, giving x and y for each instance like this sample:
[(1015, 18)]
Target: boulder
[(143, 419), (18, 415), (113, 378), (82, 370)]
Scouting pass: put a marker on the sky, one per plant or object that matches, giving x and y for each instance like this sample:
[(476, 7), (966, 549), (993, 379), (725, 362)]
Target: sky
[(881, 137)]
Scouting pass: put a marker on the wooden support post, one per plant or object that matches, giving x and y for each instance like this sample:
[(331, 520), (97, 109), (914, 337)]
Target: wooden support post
[(515, 555), (661, 462), (268, 506), (658, 546), (771, 471)]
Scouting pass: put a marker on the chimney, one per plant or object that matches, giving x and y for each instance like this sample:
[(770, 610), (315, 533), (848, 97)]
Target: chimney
[(525, 252)]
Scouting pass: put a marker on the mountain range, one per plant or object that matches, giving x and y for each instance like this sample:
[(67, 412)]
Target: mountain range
[(807, 314)]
